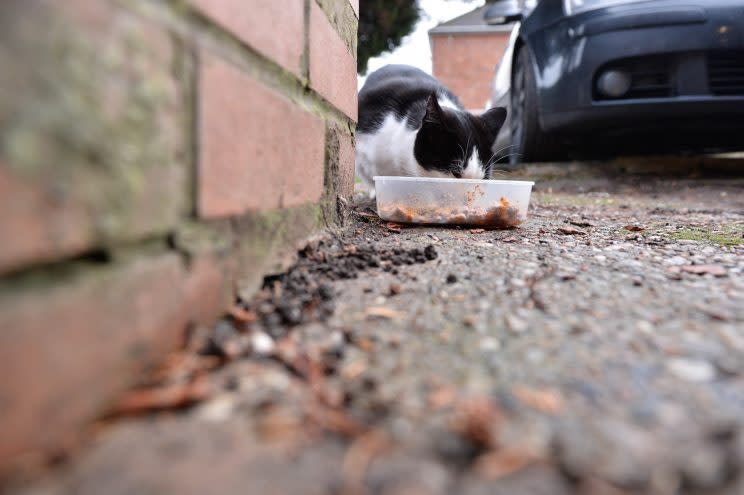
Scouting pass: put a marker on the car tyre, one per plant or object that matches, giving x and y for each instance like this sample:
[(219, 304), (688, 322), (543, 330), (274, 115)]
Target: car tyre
[(529, 142)]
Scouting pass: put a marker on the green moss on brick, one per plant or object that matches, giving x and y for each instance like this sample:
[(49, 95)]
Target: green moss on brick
[(92, 115), (214, 237), (268, 241)]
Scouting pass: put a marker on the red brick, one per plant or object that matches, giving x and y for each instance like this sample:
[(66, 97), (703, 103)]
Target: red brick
[(465, 63), (67, 350), (332, 67), (42, 220), (73, 193), (209, 289), (258, 151), (35, 225), (275, 28)]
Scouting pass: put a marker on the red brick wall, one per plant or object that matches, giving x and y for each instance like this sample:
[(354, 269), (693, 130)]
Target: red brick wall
[(156, 160), (465, 63)]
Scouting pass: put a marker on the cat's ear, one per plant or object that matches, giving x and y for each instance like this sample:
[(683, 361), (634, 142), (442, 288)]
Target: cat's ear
[(434, 113), (494, 119)]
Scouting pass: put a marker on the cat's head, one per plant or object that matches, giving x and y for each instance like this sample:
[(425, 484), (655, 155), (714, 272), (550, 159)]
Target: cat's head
[(454, 143)]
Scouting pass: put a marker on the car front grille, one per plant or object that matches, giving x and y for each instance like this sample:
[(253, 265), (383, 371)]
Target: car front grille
[(726, 73), (649, 84)]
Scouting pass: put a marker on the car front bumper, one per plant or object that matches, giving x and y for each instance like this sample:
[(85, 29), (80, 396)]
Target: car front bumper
[(688, 63)]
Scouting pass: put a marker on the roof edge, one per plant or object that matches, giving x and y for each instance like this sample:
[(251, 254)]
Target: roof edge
[(501, 28)]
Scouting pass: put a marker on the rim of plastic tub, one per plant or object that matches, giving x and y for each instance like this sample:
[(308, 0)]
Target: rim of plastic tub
[(453, 180)]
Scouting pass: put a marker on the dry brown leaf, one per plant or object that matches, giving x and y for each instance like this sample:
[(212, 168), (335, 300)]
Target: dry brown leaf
[(286, 349), (383, 312), (365, 344), (634, 228), (330, 396), (470, 320), (715, 270), (442, 397), (478, 420), (243, 315), (167, 397), (547, 401), (333, 420), (360, 455), (353, 370), (495, 465), (393, 227), (279, 424), (180, 365), (366, 214), (579, 223), (570, 231)]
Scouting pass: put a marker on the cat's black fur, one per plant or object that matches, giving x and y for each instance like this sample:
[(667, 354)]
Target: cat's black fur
[(446, 137)]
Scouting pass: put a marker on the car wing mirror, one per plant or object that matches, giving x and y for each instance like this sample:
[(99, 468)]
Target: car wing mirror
[(503, 12)]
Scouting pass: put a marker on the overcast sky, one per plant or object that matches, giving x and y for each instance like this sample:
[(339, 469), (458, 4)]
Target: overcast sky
[(415, 50)]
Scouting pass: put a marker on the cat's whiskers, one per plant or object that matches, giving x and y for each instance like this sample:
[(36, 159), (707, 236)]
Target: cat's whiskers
[(491, 162), (502, 149), (495, 158), (507, 156), (464, 157)]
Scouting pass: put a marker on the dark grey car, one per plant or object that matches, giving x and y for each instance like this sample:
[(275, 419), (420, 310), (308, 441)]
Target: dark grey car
[(608, 77)]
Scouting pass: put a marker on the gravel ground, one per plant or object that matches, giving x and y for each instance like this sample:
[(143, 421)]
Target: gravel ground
[(598, 349)]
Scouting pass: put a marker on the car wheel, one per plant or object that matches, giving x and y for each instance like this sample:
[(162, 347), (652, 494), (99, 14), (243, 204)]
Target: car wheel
[(529, 142)]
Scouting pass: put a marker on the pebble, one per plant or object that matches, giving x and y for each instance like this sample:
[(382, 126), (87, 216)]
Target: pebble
[(705, 468), (262, 344), (217, 410), (515, 324), (676, 261), (535, 356), (645, 327), (489, 344), (692, 370)]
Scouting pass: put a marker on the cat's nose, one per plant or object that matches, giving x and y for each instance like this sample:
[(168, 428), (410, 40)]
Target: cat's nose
[(457, 174)]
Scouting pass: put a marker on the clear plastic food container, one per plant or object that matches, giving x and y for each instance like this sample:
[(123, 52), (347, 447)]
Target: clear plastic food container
[(498, 204)]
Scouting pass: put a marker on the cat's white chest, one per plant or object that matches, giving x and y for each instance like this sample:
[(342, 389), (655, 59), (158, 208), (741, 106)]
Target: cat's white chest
[(387, 151)]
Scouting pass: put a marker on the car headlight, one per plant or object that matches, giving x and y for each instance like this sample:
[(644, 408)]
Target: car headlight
[(575, 6)]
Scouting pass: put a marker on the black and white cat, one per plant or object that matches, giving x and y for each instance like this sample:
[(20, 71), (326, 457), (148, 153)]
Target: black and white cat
[(411, 125)]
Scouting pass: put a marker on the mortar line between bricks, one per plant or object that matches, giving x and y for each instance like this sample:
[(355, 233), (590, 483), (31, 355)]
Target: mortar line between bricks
[(193, 130), (60, 270), (305, 62), (240, 54)]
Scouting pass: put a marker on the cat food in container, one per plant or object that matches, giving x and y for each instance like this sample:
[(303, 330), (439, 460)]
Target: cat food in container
[(496, 204)]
